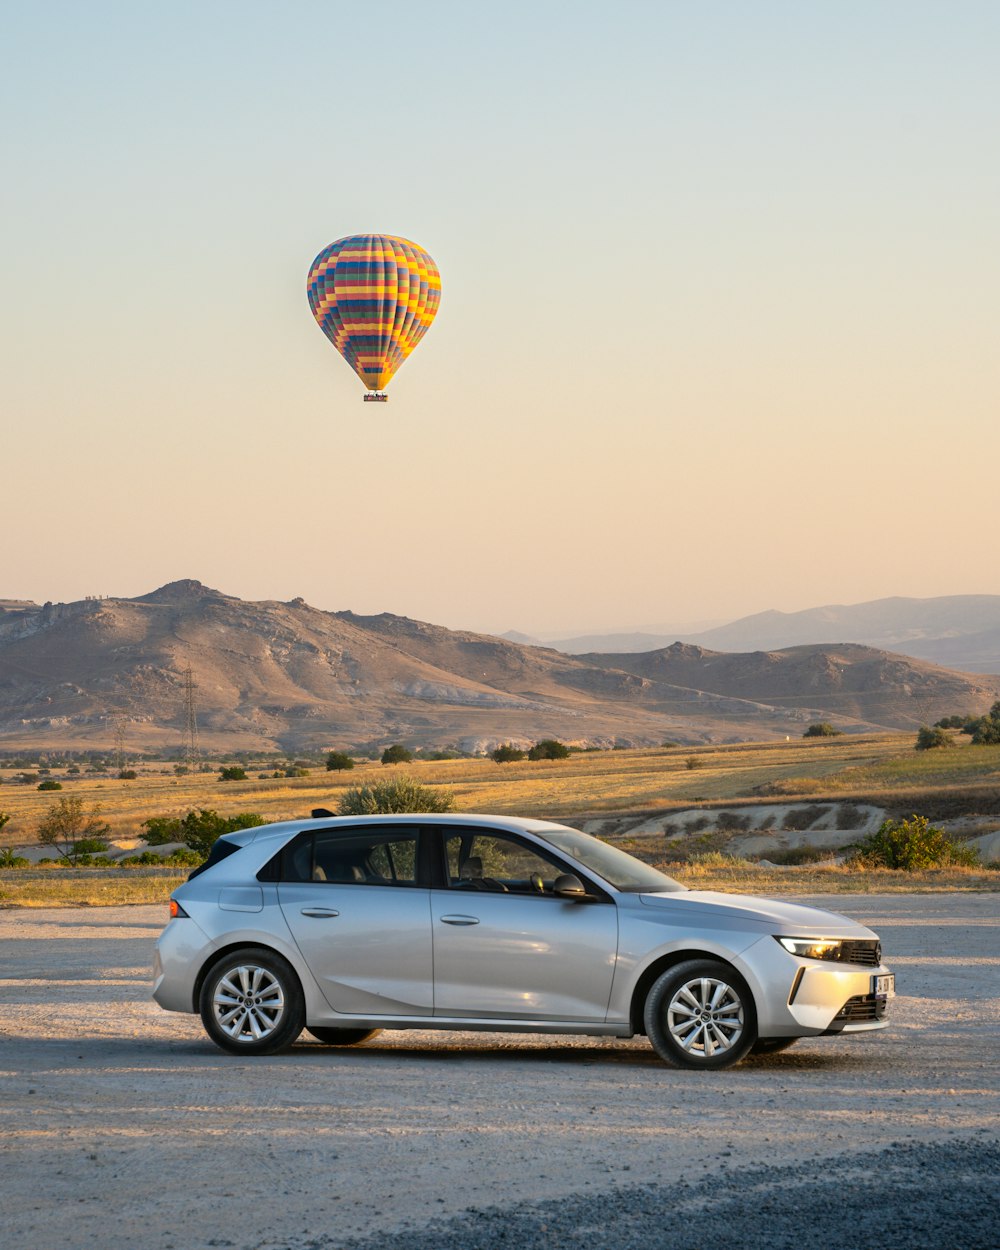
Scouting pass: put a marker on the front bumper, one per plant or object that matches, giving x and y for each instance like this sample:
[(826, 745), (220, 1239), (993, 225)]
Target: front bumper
[(808, 997)]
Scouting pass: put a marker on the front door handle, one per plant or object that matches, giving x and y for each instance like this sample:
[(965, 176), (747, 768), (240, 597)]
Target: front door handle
[(460, 920), (322, 913)]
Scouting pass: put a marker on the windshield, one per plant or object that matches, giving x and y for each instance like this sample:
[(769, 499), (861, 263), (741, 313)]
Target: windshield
[(618, 868)]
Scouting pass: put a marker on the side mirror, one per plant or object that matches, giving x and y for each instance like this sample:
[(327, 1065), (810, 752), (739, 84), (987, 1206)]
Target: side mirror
[(570, 888)]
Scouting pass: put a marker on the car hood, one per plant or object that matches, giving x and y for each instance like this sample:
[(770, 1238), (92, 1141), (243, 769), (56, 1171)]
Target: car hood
[(792, 918)]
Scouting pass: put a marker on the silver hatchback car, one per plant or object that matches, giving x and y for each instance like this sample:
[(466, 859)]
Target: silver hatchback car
[(345, 926)]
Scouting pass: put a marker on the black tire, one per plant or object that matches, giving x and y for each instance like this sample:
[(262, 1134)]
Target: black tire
[(700, 1014), (341, 1037), (251, 1002), (772, 1045)]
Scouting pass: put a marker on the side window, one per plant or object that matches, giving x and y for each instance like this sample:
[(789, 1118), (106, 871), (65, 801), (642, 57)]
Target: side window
[(498, 864), (382, 856)]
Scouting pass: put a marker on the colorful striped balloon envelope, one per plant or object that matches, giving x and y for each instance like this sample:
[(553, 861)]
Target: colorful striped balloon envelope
[(374, 296)]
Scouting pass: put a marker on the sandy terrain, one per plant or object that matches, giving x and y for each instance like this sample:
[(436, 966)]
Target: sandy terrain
[(123, 1126)]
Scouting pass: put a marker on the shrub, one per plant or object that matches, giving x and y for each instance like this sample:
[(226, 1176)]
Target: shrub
[(338, 762), (199, 830), (730, 822), (718, 859), (821, 729), (127, 774), (549, 749), (72, 830), (8, 858), (401, 794), (928, 739), (795, 855), (50, 785), (161, 829), (396, 754), (692, 762), (986, 730), (233, 773), (911, 845), (952, 722), (507, 753)]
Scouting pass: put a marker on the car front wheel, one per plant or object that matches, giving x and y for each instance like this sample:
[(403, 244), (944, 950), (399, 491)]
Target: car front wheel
[(700, 1014), (341, 1037), (251, 1003)]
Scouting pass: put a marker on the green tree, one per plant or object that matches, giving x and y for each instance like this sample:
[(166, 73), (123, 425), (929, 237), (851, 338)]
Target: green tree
[(549, 749), (71, 830), (159, 830), (338, 762), (821, 729), (507, 753), (233, 773), (911, 845), (202, 829), (4, 818), (928, 738), (401, 794), (986, 731), (952, 722), (10, 859), (50, 785), (396, 754)]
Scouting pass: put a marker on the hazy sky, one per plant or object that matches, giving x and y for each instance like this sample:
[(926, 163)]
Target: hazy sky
[(719, 325)]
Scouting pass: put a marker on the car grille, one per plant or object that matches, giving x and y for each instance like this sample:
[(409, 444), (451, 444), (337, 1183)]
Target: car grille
[(861, 1008), (867, 951)]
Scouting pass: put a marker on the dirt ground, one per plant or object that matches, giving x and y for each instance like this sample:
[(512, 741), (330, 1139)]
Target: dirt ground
[(123, 1126)]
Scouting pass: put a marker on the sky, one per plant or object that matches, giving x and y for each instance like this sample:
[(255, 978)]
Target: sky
[(719, 314)]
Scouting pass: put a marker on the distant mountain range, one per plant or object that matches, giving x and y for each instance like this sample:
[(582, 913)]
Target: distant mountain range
[(288, 676), (957, 631)]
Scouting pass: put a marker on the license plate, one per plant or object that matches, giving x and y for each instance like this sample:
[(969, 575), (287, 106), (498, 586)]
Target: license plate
[(884, 986)]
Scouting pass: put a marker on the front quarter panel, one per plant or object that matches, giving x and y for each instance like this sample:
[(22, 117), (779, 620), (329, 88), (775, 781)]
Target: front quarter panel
[(648, 934)]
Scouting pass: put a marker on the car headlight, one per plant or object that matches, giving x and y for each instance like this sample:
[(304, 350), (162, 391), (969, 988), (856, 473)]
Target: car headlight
[(811, 948)]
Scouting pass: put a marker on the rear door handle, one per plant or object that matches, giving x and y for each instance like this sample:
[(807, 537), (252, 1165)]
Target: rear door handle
[(322, 913), (460, 920)]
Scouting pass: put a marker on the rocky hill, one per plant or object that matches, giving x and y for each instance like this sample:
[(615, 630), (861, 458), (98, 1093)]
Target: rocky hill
[(286, 675)]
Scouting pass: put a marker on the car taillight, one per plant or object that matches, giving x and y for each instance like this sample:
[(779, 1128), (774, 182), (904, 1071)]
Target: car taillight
[(176, 909)]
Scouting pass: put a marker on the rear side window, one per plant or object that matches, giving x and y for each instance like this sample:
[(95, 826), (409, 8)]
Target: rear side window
[(383, 856), (221, 850)]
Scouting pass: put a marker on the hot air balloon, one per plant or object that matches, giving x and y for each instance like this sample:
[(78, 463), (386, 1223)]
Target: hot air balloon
[(374, 295)]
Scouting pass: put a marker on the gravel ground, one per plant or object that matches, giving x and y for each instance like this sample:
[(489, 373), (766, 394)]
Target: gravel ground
[(123, 1126)]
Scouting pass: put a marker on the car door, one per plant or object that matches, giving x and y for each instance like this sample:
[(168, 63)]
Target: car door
[(362, 922), (506, 946)]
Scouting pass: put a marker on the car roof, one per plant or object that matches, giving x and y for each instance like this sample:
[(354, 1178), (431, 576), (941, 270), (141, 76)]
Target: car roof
[(287, 828)]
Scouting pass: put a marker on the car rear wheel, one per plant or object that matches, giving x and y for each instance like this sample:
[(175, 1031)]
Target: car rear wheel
[(341, 1037), (251, 1003), (700, 1014)]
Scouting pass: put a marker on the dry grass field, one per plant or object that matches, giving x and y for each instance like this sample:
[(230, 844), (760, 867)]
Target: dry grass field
[(880, 767), (884, 769)]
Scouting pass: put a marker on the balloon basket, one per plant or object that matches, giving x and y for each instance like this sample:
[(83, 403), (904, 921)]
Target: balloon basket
[(376, 397)]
